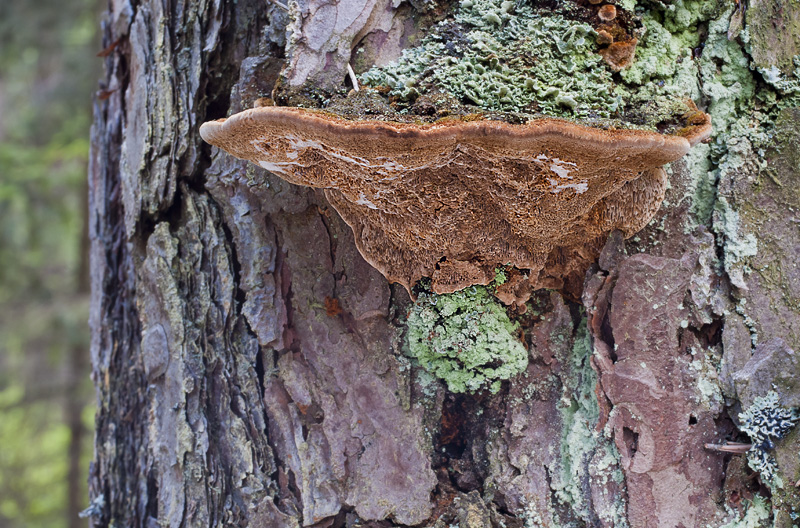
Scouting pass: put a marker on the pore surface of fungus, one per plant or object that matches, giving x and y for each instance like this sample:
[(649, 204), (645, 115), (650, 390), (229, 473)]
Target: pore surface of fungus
[(453, 199)]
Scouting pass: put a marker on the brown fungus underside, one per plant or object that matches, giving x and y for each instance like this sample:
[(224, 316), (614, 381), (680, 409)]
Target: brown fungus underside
[(455, 199)]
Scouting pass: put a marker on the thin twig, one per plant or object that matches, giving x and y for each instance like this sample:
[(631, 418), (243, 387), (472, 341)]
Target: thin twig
[(730, 447), (352, 75), (281, 5)]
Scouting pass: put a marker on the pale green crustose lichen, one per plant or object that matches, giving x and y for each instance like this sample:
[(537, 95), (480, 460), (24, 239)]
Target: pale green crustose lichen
[(580, 441), (466, 339), (756, 516)]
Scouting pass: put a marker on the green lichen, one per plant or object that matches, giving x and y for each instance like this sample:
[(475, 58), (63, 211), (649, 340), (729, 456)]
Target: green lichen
[(664, 52), (584, 451), (705, 367), (738, 245), (673, 60), (756, 516), (666, 69), (578, 416), (466, 339), (701, 188), (503, 55), (786, 84)]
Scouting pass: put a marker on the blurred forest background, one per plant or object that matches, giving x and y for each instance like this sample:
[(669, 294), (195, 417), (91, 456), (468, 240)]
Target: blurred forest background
[(48, 72)]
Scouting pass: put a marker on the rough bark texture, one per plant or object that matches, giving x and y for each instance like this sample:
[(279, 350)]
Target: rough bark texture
[(249, 363)]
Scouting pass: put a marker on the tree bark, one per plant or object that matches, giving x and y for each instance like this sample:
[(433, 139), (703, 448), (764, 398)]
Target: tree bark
[(250, 366)]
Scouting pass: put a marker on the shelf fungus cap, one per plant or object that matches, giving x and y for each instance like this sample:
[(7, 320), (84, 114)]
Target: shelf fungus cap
[(455, 199)]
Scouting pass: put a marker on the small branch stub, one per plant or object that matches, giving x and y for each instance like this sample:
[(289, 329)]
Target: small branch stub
[(353, 78)]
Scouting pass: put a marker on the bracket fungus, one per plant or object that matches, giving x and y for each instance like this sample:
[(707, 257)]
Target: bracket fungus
[(454, 199)]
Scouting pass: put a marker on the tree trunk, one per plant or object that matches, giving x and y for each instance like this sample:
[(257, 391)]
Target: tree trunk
[(250, 365)]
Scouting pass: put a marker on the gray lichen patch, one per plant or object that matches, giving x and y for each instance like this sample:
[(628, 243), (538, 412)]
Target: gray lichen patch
[(766, 422)]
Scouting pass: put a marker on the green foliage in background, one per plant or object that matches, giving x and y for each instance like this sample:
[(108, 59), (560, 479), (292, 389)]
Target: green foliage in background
[(34, 461), (48, 72)]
